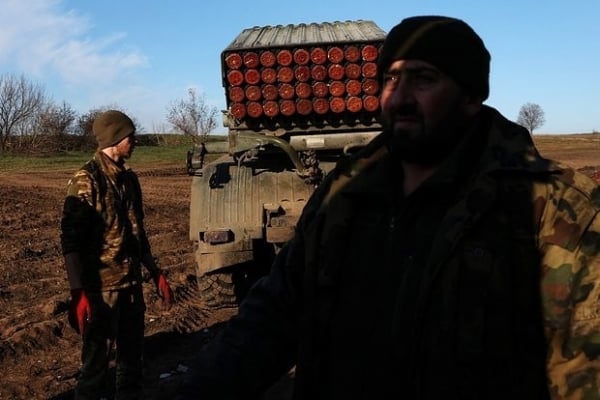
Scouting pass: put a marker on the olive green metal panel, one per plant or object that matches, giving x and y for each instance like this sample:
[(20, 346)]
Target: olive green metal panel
[(230, 197)]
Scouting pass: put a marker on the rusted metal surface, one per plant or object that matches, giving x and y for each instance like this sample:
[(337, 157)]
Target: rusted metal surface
[(303, 77)]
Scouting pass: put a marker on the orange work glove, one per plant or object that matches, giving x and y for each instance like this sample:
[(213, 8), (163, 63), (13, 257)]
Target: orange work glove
[(163, 289), (80, 311)]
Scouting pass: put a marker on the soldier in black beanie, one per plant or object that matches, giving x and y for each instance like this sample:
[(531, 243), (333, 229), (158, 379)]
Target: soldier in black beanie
[(446, 260)]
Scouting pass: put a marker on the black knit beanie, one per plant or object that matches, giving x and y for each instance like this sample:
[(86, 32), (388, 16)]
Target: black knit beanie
[(448, 43), (111, 127)]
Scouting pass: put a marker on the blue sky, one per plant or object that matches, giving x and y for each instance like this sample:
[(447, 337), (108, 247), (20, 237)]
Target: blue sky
[(143, 54)]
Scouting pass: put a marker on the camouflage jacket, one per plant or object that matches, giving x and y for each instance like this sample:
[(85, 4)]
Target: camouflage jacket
[(506, 304), (102, 221)]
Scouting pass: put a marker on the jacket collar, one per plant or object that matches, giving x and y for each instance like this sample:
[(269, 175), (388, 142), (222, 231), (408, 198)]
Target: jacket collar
[(510, 147), (111, 168), (492, 145)]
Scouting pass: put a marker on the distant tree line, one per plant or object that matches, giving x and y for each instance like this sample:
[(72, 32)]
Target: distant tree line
[(32, 123)]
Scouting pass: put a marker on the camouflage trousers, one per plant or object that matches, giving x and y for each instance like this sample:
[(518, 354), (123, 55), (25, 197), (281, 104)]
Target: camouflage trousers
[(116, 328)]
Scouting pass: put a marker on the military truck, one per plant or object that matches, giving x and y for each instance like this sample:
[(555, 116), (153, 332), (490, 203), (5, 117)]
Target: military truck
[(299, 98)]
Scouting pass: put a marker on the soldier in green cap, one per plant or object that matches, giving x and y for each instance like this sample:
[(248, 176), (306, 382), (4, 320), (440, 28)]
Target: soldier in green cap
[(104, 245), (446, 260)]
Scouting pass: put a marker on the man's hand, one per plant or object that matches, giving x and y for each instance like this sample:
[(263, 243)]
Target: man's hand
[(163, 289), (80, 311)]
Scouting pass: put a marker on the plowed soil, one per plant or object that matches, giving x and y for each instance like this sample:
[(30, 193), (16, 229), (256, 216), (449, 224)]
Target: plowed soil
[(39, 352)]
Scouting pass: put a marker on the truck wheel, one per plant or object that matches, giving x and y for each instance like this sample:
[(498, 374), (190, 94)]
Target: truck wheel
[(227, 287), (217, 290)]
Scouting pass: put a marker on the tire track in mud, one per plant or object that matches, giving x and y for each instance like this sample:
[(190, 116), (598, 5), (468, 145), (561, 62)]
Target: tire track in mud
[(32, 334), (29, 339), (162, 172), (192, 314)]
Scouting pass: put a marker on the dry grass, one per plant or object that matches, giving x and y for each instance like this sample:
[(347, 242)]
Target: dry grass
[(576, 150)]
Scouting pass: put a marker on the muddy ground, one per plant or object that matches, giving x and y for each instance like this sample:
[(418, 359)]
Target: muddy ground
[(39, 352)]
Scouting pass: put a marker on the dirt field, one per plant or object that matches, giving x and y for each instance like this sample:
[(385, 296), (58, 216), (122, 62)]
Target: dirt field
[(39, 352)]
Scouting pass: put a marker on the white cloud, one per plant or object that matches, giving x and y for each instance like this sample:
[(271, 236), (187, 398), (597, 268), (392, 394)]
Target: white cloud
[(39, 38), (62, 50)]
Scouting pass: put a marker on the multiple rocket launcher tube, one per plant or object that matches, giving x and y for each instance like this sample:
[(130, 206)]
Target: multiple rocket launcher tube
[(302, 81)]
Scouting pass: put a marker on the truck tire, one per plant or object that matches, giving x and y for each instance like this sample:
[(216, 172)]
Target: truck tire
[(227, 287), (217, 290)]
